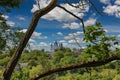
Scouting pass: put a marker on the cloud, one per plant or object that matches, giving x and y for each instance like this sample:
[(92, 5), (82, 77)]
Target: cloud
[(106, 30), (105, 1), (24, 30), (89, 22), (119, 35), (10, 23), (78, 40), (62, 41), (71, 41), (43, 3), (78, 33), (21, 18), (35, 35), (31, 41), (59, 14), (69, 36), (5, 16), (60, 33), (111, 30), (72, 25), (73, 35), (113, 10), (65, 44), (43, 44), (35, 8), (117, 2), (38, 46)]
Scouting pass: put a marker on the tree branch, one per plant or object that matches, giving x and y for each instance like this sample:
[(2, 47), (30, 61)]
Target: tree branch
[(74, 16), (75, 66), (77, 5), (94, 7), (17, 54)]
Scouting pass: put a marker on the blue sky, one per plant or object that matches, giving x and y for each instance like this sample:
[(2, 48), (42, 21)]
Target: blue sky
[(54, 25)]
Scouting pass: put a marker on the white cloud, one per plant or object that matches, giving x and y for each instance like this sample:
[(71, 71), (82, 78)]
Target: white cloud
[(72, 25), (21, 18), (60, 33), (106, 30), (43, 44), (105, 1), (62, 41), (77, 40), (33, 46), (117, 2), (119, 35), (39, 46), (89, 22), (43, 3), (31, 41), (5, 16), (73, 35), (112, 10), (35, 35), (77, 33), (71, 41), (35, 8), (59, 14), (24, 30), (65, 44), (69, 36), (10, 23)]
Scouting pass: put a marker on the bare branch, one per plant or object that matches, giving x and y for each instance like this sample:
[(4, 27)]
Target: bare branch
[(94, 7), (17, 54), (77, 6), (38, 3), (74, 16), (75, 40), (81, 4), (76, 66)]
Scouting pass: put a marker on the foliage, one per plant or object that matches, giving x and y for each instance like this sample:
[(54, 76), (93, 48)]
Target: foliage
[(98, 44), (45, 62), (8, 35), (21, 74), (4, 61), (8, 4)]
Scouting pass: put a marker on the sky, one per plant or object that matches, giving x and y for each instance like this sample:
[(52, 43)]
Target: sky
[(60, 26)]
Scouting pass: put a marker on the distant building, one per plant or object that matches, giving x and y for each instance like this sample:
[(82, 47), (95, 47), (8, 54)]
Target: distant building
[(21, 65), (78, 51), (56, 46)]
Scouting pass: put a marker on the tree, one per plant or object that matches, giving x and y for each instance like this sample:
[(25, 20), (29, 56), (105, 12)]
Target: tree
[(35, 18), (8, 34), (17, 54)]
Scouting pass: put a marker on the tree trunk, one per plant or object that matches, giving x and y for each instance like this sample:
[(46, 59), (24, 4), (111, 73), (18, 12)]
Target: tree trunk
[(17, 54)]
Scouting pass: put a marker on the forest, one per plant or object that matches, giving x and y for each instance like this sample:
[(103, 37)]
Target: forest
[(94, 56)]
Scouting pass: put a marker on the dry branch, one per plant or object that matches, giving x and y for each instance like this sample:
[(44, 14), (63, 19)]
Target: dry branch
[(93, 5), (74, 16)]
